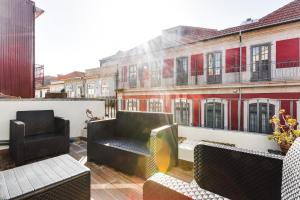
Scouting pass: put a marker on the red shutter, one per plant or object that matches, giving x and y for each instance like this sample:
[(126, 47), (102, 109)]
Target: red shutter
[(287, 53), (197, 64), (168, 68), (233, 60)]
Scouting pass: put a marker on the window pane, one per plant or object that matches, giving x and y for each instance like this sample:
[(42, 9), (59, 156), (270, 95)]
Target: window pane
[(182, 111), (214, 116)]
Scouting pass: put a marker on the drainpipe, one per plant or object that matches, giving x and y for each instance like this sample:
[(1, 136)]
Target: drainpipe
[(240, 82)]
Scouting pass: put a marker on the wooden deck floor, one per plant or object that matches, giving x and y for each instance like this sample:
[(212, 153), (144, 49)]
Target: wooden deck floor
[(107, 183)]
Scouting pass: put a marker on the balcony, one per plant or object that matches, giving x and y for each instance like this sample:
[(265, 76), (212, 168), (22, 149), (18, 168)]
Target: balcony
[(107, 183), (260, 73)]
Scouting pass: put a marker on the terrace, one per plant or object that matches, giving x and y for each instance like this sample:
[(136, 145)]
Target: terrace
[(107, 182)]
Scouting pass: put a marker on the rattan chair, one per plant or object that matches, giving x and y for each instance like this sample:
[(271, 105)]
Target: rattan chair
[(223, 172)]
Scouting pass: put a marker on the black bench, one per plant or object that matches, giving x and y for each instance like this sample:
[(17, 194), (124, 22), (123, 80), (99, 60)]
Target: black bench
[(223, 172), (58, 178), (136, 143)]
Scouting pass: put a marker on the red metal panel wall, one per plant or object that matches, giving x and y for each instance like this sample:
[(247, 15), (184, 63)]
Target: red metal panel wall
[(17, 48)]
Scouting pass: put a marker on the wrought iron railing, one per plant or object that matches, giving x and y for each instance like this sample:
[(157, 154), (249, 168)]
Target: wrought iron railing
[(258, 72)]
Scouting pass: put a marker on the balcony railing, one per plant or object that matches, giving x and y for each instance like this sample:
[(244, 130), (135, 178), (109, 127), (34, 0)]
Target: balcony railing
[(258, 72)]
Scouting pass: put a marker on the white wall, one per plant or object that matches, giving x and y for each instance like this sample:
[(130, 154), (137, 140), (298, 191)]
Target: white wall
[(252, 141), (73, 110)]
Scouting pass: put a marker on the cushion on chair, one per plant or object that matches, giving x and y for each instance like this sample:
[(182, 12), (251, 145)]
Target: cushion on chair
[(129, 145), (40, 137), (290, 188), (37, 122), (138, 125)]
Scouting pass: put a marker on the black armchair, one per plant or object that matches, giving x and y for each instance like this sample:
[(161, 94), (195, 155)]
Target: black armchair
[(222, 172), (36, 134), (136, 143)]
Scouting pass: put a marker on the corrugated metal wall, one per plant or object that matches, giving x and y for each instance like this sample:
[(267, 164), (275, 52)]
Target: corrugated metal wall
[(17, 48)]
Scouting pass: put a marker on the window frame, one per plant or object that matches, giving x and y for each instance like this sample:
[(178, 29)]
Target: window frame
[(252, 72), (190, 112), (135, 105), (160, 103), (214, 78), (132, 75), (185, 72), (225, 111), (258, 112), (156, 74), (276, 103)]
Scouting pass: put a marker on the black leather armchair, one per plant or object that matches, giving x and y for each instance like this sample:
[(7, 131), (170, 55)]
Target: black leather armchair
[(36, 134)]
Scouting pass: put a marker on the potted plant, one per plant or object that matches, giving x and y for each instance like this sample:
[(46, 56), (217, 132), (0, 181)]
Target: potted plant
[(285, 132)]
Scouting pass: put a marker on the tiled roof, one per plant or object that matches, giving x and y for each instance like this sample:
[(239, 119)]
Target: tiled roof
[(287, 13), (71, 75)]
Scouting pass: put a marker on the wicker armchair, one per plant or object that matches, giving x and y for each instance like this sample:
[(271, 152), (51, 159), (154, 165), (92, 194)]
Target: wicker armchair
[(37, 134), (136, 143), (223, 172)]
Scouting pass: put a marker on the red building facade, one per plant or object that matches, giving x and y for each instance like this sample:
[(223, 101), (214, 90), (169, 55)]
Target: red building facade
[(17, 21), (232, 79)]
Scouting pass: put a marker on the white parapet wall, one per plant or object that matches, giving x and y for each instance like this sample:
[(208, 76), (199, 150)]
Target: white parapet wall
[(71, 109), (245, 140)]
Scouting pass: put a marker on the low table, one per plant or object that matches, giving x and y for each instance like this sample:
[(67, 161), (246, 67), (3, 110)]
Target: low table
[(60, 178)]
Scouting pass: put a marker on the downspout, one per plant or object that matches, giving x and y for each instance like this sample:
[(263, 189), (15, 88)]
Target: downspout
[(240, 82)]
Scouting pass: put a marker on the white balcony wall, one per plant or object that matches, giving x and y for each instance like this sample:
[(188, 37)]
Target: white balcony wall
[(194, 135), (73, 110)]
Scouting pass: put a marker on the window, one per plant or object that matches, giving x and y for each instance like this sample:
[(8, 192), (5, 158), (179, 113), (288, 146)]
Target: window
[(259, 116), (155, 75), (182, 112), (143, 74), (91, 90), (214, 115), (233, 60), (182, 71), (132, 105), (260, 63), (168, 68), (70, 91), (79, 91), (214, 67), (124, 74), (104, 90), (155, 105), (132, 76), (288, 53)]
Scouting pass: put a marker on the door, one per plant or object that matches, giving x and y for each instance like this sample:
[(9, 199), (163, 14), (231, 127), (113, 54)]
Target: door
[(214, 67), (261, 63), (182, 71)]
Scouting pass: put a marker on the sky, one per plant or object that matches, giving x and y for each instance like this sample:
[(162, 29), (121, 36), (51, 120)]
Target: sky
[(74, 34)]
